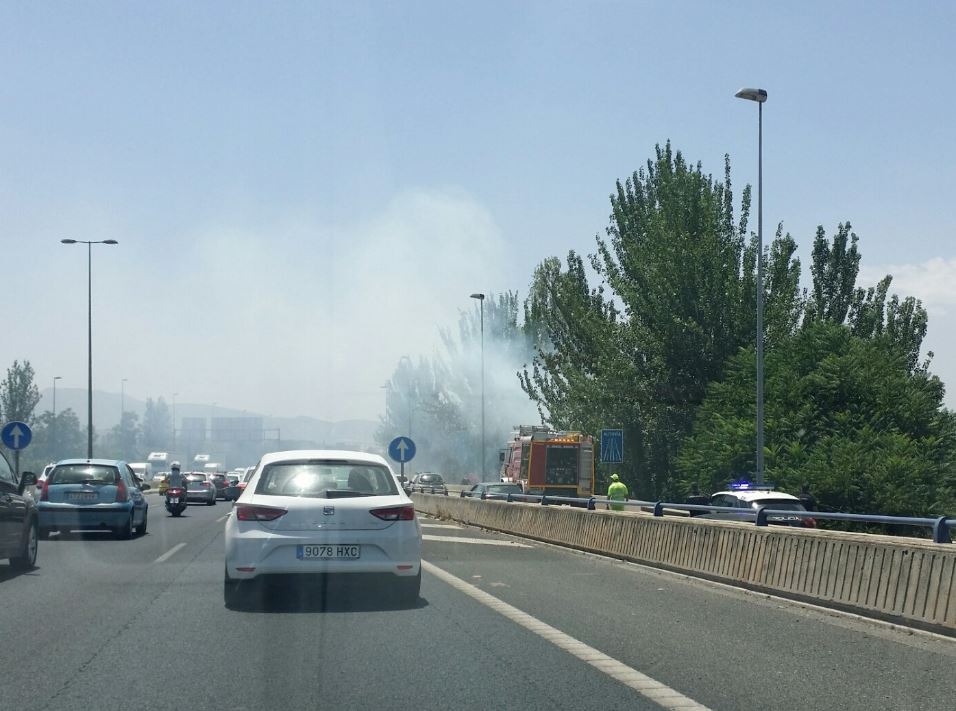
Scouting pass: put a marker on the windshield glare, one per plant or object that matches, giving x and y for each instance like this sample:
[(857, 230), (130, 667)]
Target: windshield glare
[(318, 480), (83, 474)]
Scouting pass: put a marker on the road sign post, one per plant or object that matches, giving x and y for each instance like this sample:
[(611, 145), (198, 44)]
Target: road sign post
[(16, 435)]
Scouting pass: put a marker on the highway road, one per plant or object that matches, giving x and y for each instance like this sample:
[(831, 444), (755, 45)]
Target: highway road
[(501, 623)]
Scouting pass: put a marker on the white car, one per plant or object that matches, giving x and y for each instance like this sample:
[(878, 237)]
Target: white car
[(323, 511)]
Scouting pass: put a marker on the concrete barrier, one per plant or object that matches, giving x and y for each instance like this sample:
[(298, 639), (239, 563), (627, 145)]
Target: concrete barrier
[(903, 580)]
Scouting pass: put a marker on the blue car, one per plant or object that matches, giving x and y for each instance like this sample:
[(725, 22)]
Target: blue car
[(92, 494)]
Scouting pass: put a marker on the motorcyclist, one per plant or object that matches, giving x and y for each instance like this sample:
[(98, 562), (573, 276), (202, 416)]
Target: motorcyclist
[(175, 479)]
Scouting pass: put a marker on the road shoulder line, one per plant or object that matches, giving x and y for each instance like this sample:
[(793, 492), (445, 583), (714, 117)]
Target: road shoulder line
[(646, 686)]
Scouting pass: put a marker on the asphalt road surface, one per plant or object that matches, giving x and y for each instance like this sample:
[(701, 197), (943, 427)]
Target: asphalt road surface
[(501, 624)]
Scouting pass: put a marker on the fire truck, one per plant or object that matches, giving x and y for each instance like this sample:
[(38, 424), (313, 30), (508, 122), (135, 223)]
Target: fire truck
[(547, 461)]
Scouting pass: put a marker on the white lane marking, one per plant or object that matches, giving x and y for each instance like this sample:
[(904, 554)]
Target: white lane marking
[(477, 541), (441, 525), (222, 518), (647, 687), (169, 554)]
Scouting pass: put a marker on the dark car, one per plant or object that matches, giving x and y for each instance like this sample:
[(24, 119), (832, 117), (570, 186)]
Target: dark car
[(19, 523), (492, 490), (220, 482)]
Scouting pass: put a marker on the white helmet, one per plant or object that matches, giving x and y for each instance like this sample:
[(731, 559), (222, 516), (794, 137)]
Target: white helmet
[(174, 466)]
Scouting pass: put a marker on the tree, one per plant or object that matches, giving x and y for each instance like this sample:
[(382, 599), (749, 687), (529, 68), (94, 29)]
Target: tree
[(846, 415), (901, 325), (70, 440), (681, 277), (438, 399), (19, 395), (157, 426), (122, 441)]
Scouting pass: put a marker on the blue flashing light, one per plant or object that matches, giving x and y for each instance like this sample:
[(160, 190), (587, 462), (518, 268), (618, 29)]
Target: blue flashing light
[(744, 485)]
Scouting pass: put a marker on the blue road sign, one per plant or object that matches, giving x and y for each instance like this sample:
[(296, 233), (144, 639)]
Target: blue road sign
[(16, 435), (612, 446), (401, 449)]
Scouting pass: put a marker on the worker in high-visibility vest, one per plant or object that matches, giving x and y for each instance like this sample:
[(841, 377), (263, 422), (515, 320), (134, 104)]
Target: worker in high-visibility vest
[(617, 491)]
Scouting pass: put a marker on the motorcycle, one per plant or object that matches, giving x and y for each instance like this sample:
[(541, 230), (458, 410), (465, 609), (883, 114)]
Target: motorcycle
[(176, 500)]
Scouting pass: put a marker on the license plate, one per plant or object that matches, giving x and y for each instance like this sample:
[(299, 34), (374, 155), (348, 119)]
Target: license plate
[(174, 499), (82, 496), (328, 551)]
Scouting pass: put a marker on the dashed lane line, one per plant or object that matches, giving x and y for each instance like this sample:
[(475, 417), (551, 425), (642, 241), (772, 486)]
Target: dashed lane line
[(170, 553), (649, 688)]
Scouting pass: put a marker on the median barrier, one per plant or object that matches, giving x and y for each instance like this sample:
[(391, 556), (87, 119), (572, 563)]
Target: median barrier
[(905, 580)]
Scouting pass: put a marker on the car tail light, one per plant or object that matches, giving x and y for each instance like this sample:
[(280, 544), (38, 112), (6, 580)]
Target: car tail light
[(121, 494), (250, 512), (45, 491), (395, 513), (174, 492)]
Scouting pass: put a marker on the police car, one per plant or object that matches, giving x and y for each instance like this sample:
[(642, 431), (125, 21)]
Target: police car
[(744, 498)]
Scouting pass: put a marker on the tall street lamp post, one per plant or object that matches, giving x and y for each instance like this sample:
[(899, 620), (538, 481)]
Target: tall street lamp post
[(122, 399), (481, 308), (89, 333), (408, 396), (174, 423), (53, 438), (760, 96)]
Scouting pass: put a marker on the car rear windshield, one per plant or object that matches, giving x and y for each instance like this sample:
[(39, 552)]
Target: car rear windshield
[(326, 480), (83, 474), (432, 479)]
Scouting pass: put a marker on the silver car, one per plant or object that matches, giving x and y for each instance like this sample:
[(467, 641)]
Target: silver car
[(199, 488)]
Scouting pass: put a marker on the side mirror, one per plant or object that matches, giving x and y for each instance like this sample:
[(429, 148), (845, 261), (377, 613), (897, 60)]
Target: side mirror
[(27, 480), (144, 487)]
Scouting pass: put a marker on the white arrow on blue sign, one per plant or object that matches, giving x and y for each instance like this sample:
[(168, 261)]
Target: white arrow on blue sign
[(16, 435), (612, 446), (401, 449)]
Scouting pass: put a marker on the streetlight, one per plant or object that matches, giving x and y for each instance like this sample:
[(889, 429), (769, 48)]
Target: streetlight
[(55, 378), (760, 96), (481, 308), (174, 422), (89, 333), (411, 383), (122, 399)]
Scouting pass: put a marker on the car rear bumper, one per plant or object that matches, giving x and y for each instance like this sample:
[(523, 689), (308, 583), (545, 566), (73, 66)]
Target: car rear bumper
[(254, 551), (64, 515)]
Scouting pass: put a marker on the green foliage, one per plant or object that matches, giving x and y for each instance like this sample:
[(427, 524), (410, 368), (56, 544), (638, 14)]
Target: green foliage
[(122, 441), (19, 395), (844, 414), (682, 295), (52, 441), (157, 427)]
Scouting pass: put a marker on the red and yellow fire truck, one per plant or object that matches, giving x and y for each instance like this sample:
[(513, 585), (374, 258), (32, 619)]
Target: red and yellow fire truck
[(546, 461)]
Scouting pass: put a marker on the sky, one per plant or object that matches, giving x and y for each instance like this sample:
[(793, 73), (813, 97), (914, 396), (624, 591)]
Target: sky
[(304, 192)]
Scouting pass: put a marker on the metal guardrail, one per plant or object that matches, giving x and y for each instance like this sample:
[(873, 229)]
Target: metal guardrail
[(940, 525)]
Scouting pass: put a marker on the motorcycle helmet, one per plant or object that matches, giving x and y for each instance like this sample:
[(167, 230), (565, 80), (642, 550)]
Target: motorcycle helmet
[(174, 467)]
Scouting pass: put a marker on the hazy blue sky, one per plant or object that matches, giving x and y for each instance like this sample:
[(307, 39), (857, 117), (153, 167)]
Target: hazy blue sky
[(304, 192)]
